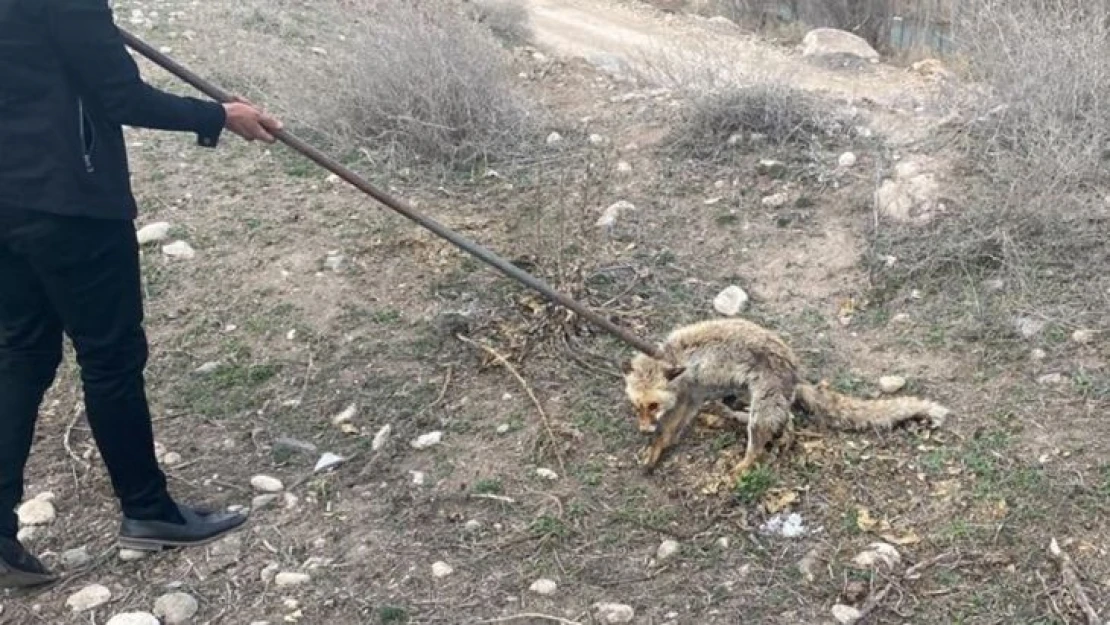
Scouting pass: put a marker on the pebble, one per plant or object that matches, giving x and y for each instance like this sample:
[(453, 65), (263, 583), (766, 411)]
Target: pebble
[(554, 138), (846, 614), (131, 555), (289, 578), (153, 233), (624, 167), (76, 558), (772, 168), (596, 139), (261, 501), (37, 511), (294, 445), (667, 550), (88, 598), (442, 569), (327, 461), (544, 586), (179, 249), (381, 438), (348, 413), (547, 474), (27, 534), (503, 428), (176, 608), (269, 572), (614, 613), (775, 201), (731, 301), (847, 159), (609, 216), (473, 525), (133, 618), (891, 384), (1051, 379), (334, 260), (1083, 337), (418, 477), (267, 484), (877, 553), (172, 459), (424, 441), (207, 367)]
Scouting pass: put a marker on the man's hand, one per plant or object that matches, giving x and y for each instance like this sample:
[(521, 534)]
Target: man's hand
[(250, 122)]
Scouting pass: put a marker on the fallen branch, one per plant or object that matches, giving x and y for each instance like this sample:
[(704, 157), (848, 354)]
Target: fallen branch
[(1071, 581), (77, 412), (529, 615), (527, 389)]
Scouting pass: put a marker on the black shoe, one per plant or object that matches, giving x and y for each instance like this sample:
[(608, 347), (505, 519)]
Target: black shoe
[(200, 528), (20, 569)]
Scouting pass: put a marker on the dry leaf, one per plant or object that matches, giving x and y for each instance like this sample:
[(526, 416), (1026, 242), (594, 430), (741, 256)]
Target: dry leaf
[(349, 428), (778, 499), (909, 538), (864, 520)]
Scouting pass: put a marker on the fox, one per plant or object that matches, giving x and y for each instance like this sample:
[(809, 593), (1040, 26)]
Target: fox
[(734, 363)]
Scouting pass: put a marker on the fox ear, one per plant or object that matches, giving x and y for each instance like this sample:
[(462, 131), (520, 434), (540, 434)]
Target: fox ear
[(673, 372)]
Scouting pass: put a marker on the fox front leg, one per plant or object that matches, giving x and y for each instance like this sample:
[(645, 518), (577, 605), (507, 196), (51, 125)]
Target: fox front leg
[(672, 425)]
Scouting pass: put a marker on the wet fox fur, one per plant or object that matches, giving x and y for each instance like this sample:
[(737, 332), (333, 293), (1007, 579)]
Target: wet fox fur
[(723, 360)]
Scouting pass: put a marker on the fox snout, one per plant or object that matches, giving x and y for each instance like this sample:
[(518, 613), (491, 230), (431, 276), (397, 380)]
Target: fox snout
[(647, 423)]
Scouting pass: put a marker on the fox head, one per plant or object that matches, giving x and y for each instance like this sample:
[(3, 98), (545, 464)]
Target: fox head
[(646, 383)]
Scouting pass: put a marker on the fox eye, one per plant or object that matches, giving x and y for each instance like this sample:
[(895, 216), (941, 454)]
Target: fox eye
[(653, 406)]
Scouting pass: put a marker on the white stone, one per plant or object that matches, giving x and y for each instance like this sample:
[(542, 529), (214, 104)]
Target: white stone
[(172, 459), (891, 384), (547, 474), (153, 233), (503, 428), (776, 200), (614, 613), (624, 167), (418, 477), (544, 587), (133, 618), (442, 569), (27, 534), (261, 501), (36, 512), (132, 555), (286, 579), (731, 301), (554, 138), (176, 608), (847, 159), (878, 554), (345, 416), (381, 438), (179, 249), (473, 525), (88, 598), (424, 441), (609, 216), (845, 614), (1029, 327), (831, 41), (596, 139), (667, 549), (327, 461), (1082, 336), (207, 367), (267, 484)]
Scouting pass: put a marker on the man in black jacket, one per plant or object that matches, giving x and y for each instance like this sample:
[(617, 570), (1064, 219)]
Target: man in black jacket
[(69, 260)]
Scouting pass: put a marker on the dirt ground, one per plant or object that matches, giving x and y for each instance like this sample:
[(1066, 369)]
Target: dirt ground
[(312, 320)]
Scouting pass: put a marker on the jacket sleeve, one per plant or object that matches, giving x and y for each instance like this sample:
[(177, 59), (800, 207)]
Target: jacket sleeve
[(93, 50)]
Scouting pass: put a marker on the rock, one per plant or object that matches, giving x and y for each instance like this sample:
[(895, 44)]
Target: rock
[(88, 598), (153, 233), (131, 555), (267, 484), (544, 587), (424, 441), (1051, 379), (612, 613), (667, 549), (877, 554), (624, 167), (381, 438), (327, 461), (891, 384), (554, 138), (911, 196), (776, 200), (1029, 327), (547, 474), (261, 501), (834, 42), (503, 428), (442, 569), (609, 216), (1083, 337), (27, 534), (418, 478), (1038, 354), (37, 511), (345, 416), (133, 618), (269, 572), (772, 168), (723, 542), (596, 139), (286, 579), (731, 301), (845, 614), (172, 459), (334, 261), (176, 608), (846, 160), (473, 525), (208, 367), (76, 558), (179, 249)]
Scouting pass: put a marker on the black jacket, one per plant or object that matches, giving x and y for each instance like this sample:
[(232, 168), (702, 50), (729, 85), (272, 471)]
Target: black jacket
[(67, 86)]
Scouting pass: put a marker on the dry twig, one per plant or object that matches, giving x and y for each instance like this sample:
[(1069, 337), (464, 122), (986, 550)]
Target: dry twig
[(1072, 582), (529, 615), (527, 389)]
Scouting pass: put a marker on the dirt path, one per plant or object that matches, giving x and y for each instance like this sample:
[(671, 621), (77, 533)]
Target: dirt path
[(636, 41)]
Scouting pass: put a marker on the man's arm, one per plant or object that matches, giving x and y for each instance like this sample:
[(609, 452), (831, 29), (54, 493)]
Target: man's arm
[(92, 48)]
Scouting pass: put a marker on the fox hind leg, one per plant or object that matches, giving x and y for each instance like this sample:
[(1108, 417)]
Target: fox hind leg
[(770, 415)]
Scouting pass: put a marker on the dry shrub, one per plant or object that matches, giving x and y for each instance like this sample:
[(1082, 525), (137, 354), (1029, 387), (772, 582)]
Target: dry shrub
[(1034, 220), (507, 19), (870, 19)]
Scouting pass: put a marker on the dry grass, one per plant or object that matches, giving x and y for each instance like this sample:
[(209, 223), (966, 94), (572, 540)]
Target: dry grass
[(869, 19), (507, 20), (1033, 218)]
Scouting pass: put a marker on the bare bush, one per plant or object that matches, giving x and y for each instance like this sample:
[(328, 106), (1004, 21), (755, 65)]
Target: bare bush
[(508, 20), (1034, 218), (870, 19)]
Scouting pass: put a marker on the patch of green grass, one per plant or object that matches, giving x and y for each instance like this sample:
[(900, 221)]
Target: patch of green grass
[(230, 389), (753, 485), (392, 614), (547, 526), (844, 382), (724, 441), (488, 486)]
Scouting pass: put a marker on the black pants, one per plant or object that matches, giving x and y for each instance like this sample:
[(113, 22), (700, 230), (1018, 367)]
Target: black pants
[(79, 277)]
